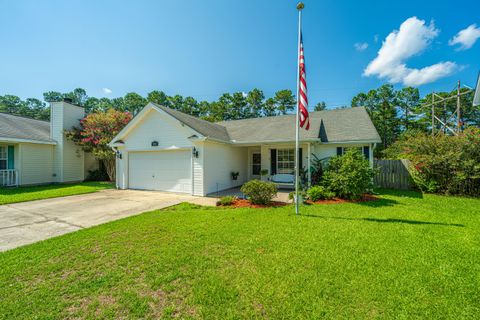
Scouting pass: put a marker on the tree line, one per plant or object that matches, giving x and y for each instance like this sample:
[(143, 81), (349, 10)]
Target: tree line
[(238, 105), (395, 112), (392, 111)]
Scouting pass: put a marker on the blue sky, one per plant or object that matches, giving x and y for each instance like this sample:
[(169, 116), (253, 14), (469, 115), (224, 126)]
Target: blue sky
[(205, 48)]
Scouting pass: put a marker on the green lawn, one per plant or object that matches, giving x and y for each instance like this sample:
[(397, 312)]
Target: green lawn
[(22, 194), (407, 256)]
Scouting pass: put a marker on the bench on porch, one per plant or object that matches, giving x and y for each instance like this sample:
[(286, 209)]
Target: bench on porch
[(283, 180)]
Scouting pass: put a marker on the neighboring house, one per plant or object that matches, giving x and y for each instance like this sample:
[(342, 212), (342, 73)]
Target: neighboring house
[(164, 149), (37, 152)]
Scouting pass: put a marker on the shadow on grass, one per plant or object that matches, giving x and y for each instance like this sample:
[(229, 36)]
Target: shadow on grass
[(400, 193), (378, 203), (389, 220)]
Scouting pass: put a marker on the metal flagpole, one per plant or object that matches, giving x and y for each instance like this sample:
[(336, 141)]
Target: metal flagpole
[(300, 6)]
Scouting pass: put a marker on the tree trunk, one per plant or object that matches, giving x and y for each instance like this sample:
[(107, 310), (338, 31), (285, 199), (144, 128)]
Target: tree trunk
[(110, 165)]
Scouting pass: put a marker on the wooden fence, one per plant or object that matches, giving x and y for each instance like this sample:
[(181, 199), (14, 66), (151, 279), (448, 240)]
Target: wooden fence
[(392, 174)]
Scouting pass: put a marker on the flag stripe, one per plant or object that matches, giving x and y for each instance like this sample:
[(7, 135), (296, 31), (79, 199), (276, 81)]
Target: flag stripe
[(302, 89)]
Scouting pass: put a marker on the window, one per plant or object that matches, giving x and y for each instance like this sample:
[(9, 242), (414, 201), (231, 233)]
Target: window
[(285, 161), (256, 164), (3, 157), (365, 150)]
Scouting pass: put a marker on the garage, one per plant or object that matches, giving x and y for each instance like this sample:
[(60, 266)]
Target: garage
[(161, 170)]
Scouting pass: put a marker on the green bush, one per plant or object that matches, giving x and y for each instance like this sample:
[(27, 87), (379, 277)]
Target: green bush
[(97, 175), (302, 194), (349, 176), (316, 193), (442, 163), (259, 192), (226, 201)]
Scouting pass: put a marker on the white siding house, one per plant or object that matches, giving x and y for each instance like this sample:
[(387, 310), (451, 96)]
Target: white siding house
[(37, 152), (164, 149)]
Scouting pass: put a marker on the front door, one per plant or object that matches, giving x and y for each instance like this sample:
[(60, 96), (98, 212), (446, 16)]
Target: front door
[(256, 164)]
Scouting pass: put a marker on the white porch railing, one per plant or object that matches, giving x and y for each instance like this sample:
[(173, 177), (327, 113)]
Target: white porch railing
[(8, 178)]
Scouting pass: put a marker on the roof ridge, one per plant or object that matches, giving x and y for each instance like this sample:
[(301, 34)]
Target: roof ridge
[(289, 115)]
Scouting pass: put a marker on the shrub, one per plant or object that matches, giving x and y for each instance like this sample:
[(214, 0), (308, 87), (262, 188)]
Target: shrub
[(442, 163), (316, 193), (301, 193), (259, 192), (98, 175), (226, 201), (349, 176)]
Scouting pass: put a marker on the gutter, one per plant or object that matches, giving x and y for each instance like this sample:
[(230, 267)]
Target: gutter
[(16, 140)]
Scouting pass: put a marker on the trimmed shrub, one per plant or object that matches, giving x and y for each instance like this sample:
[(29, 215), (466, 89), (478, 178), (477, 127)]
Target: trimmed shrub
[(301, 193), (349, 176), (98, 175), (442, 163), (316, 193), (226, 201), (259, 192)]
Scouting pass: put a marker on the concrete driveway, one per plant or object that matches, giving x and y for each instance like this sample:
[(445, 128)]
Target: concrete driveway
[(28, 222)]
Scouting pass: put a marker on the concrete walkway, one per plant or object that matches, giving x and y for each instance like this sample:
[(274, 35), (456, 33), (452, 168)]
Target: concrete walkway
[(29, 222)]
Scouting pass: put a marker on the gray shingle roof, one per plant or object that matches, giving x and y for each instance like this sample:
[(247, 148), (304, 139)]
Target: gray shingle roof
[(15, 127), (334, 126), (206, 128)]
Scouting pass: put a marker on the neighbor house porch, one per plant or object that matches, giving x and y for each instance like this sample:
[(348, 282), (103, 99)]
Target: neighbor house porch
[(8, 173)]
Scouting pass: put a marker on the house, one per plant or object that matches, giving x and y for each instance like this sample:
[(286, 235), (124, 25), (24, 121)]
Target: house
[(37, 152), (164, 149)]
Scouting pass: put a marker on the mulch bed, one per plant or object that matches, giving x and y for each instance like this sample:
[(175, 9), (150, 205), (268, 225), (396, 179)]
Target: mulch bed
[(243, 203), (364, 198)]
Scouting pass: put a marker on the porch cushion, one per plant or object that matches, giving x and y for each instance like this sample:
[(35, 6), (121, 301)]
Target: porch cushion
[(283, 178)]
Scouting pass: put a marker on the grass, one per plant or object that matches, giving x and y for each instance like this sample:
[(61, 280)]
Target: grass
[(22, 194), (406, 256)]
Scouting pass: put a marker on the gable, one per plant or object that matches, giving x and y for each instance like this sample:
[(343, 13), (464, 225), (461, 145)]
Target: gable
[(160, 127)]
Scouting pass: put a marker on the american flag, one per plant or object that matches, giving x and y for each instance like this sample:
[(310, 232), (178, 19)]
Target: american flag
[(302, 91)]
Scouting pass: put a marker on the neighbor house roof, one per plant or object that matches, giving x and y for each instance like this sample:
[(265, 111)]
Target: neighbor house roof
[(330, 126), (16, 128)]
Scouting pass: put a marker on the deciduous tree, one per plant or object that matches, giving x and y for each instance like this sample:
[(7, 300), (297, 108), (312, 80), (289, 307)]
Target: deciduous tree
[(96, 130)]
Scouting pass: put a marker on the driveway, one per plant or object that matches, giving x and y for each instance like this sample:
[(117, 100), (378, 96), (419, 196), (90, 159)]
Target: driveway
[(28, 222)]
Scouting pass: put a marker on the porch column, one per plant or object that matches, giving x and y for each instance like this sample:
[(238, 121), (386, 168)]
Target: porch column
[(308, 163)]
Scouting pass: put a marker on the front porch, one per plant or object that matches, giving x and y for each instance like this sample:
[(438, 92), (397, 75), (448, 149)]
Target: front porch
[(269, 161), (282, 194)]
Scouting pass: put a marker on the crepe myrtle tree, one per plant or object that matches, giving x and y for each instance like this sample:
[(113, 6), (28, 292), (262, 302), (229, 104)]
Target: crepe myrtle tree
[(96, 130)]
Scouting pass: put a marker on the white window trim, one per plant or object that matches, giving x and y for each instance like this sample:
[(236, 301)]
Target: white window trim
[(6, 157), (278, 156)]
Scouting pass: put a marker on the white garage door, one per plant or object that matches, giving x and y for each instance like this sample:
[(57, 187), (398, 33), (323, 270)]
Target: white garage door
[(163, 170)]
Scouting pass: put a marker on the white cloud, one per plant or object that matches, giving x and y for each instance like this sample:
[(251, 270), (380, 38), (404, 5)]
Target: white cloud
[(361, 46), (375, 38), (413, 37), (107, 91), (466, 38)]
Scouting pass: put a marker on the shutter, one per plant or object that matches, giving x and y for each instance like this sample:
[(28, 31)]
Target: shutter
[(300, 158), (11, 160), (273, 161), (339, 151), (366, 152)]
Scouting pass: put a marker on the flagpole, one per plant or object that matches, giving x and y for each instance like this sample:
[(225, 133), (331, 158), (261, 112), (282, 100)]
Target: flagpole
[(300, 6)]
